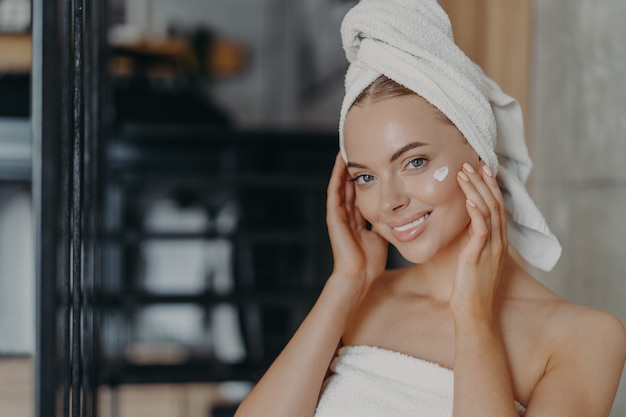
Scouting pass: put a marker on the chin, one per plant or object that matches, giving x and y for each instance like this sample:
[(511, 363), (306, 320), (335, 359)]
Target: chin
[(422, 251), (415, 255)]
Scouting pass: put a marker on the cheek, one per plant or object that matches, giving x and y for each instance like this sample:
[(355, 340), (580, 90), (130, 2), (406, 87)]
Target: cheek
[(424, 188), (367, 205), (439, 192)]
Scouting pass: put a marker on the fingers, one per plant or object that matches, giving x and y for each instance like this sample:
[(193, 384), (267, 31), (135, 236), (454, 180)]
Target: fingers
[(480, 262), (341, 197), (484, 200), (336, 189)]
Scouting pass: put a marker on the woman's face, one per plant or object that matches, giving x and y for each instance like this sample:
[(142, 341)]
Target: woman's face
[(398, 151)]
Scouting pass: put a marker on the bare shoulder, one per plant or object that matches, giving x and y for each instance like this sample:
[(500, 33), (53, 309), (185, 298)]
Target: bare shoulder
[(562, 319), (586, 350), (571, 325), (595, 332), (571, 345)]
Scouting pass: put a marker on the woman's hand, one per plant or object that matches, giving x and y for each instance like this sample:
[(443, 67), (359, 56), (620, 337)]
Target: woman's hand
[(299, 371), (358, 252), (480, 262)]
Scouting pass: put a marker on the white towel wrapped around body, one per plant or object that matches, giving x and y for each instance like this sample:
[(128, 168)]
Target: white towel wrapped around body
[(411, 42), (369, 381)]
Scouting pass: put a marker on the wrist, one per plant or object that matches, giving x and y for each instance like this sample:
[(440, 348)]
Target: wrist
[(474, 322), (469, 313), (470, 332), (349, 291)]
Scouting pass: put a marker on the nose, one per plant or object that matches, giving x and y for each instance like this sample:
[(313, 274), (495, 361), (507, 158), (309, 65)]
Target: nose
[(392, 195)]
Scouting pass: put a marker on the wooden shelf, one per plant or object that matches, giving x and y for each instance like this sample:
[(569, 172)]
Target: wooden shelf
[(15, 53), (224, 58)]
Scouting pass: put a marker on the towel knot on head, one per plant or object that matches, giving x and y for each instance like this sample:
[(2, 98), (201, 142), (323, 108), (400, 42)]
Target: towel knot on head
[(411, 42)]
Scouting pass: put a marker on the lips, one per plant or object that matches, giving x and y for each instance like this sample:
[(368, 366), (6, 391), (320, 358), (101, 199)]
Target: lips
[(411, 229), (411, 225)]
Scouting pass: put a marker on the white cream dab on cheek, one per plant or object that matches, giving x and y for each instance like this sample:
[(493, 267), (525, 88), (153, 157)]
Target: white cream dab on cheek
[(441, 174)]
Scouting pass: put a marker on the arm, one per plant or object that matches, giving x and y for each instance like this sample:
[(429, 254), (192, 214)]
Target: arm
[(482, 383), (298, 372), (588, 346)]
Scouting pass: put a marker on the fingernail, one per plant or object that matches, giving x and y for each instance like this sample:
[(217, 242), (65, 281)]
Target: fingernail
[(468, 167), (463, 176), (470, 203), (487, 170)]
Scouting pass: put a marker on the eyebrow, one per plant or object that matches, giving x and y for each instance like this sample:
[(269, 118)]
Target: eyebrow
[(397, 154), (404, 149)]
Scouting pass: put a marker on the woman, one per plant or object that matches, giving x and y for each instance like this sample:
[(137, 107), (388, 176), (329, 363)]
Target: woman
[(432, 161)]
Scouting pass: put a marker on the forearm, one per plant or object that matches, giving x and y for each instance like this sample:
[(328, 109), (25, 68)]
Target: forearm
[(292, 385), (482, 382)]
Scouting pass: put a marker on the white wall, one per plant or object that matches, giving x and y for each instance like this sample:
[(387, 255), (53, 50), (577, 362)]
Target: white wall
[(17, 288), (579, 148), (17, 279)]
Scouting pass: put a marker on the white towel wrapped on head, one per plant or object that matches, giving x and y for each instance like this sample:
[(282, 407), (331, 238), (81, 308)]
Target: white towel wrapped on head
[(369, 381), (411, 42)]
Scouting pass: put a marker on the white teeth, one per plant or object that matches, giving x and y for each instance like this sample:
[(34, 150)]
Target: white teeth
[(412, 224)]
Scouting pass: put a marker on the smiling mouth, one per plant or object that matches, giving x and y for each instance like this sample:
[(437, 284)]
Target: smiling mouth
[(413, 224)]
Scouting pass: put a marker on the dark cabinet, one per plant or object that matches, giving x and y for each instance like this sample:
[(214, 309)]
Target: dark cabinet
[(214, 247)]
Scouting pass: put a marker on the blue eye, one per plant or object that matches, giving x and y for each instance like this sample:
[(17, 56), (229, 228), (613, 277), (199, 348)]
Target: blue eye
[(417, 163), (363, 179)]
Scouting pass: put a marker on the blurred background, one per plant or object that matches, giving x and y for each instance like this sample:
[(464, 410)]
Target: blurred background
[(205, 209)]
